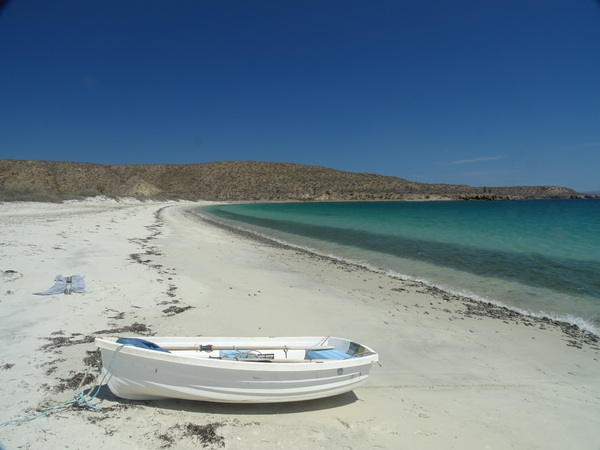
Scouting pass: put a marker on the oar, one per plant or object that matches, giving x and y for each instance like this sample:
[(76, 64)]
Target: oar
[(273, 360), (209, 348)]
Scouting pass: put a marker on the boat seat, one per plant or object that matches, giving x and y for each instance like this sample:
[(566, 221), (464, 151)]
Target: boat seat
[(326, 354)]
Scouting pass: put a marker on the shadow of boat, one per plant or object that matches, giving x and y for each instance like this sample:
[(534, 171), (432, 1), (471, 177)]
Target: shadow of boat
[(336, 401)]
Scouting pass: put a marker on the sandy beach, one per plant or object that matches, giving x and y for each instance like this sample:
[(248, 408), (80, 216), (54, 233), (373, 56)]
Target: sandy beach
[(452, 375)]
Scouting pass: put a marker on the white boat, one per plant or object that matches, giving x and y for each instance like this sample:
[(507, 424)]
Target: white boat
[(234, 370)]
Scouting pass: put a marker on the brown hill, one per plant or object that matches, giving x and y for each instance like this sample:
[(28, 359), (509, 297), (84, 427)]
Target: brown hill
[(233, 180)]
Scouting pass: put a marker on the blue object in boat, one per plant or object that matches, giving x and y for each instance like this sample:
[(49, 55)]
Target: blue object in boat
[(243, 354), (141, 343)]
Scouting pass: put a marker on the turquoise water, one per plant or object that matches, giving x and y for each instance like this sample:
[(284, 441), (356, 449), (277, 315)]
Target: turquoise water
[(541, 257)]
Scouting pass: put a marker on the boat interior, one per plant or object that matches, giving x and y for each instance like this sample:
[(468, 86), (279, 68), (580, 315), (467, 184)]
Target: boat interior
[(266, 353)]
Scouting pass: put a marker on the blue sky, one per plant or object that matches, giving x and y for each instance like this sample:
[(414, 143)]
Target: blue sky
[(484, 93)]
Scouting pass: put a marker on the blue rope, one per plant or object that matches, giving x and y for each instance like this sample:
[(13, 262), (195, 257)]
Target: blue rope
[(79, 397), (39, 415)]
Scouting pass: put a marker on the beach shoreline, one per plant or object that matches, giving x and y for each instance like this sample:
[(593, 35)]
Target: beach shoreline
[(474, 306), (453, 373)]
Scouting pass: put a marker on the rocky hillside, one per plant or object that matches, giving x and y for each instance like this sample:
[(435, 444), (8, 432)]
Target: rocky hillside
[(233, 180)]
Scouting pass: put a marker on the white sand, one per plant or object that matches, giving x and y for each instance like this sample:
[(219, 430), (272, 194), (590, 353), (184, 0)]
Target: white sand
[(445, 381)]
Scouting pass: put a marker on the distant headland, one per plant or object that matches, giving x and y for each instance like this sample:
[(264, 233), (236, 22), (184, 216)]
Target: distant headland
[(237, 181)]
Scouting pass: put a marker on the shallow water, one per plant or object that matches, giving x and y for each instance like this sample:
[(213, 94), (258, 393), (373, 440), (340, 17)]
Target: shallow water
[(539, 256)]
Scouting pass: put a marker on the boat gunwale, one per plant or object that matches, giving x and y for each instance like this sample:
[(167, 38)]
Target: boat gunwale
[(191, 359)]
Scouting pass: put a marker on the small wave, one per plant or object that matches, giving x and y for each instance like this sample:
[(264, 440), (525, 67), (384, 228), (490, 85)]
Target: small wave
[(582, 323)]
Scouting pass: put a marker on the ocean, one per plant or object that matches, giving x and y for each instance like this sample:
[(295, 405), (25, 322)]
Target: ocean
[(539, 257)]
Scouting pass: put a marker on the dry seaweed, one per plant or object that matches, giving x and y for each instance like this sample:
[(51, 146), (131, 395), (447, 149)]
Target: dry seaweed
[(74, 382), (167, 440), (62, 341), (137, 328), (172, 310), (171, 290), (206, 434), (93, 358)]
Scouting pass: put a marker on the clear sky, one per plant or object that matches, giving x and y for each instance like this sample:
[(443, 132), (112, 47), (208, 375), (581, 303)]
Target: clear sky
[(477, 92)]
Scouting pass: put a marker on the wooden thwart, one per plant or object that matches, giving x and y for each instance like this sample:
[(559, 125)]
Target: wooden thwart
[(259, 348)]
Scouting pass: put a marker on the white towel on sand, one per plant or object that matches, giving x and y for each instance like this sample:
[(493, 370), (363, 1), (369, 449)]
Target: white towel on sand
[(60, 284)]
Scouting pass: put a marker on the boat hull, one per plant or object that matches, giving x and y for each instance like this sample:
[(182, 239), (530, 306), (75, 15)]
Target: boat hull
[(140, 374)]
